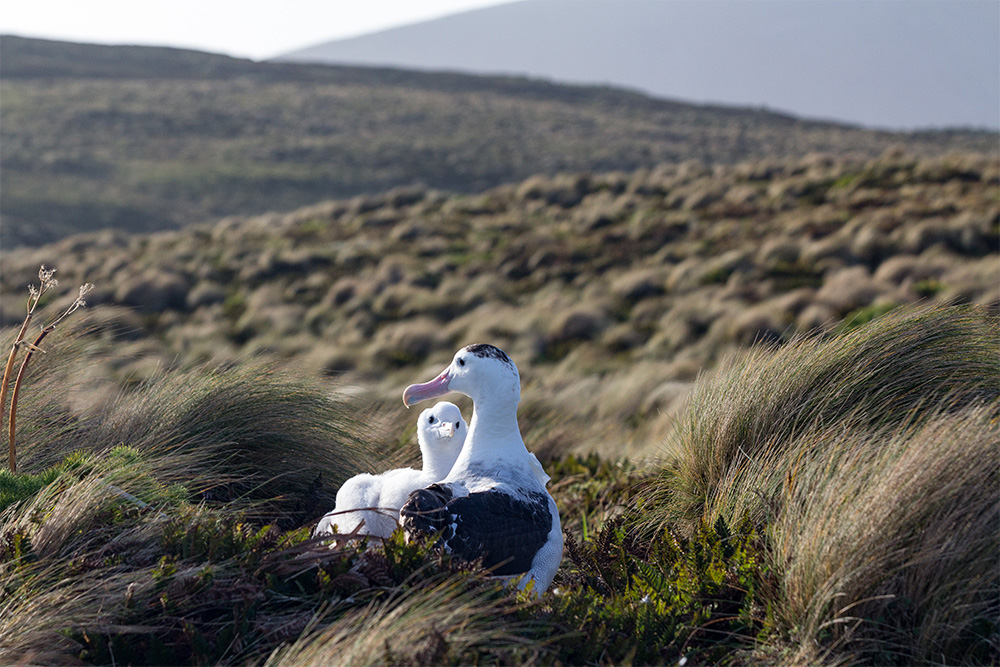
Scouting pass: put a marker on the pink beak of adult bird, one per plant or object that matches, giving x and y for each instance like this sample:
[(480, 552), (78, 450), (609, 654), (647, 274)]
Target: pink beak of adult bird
[(416, 393)]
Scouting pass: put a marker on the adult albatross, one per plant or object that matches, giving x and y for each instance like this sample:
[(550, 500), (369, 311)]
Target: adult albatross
[(493, 504), (369, 504)]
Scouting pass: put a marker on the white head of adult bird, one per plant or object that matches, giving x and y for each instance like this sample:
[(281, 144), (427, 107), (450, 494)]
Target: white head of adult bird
[(493, 504), (369, 504)]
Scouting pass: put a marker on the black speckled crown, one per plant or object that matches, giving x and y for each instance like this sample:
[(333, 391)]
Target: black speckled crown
[(484, 350)]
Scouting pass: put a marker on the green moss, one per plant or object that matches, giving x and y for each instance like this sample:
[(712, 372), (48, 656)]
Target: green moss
[(928, 287), (863, 316), (16, 487)]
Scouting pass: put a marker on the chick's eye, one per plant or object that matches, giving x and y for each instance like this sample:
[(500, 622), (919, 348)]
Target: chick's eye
[(431, 420)]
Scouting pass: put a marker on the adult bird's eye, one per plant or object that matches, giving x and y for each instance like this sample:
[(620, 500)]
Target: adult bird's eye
[(431, 420), (461, 362), (458, 425)]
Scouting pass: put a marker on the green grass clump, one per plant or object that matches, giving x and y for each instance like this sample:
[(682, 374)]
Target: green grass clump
[(124, 461), (887, 546), (928, 287), (730, 450), (16, 487), (863, 316), (868, 464)]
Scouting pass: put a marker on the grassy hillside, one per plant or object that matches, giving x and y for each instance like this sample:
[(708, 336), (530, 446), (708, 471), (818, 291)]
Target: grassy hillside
[(811, 436), (849, 517), (143, 139), (612, 291), (766, 390)]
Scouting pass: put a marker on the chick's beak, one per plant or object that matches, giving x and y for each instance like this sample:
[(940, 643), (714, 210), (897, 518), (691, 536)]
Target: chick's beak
[(416, 393), (446, 429)]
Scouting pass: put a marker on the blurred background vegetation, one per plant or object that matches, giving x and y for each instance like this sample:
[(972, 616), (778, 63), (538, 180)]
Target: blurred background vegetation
[(143, 139), (612, 290)]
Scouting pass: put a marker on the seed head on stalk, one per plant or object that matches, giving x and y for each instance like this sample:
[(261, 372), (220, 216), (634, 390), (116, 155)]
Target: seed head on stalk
[(47, 282)]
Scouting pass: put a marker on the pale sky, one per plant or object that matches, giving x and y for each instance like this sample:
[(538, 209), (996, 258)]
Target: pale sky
[(256, 29)]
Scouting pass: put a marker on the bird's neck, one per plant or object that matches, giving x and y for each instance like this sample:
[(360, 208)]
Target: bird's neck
[(494, 439), (437, 459), (437, 468)]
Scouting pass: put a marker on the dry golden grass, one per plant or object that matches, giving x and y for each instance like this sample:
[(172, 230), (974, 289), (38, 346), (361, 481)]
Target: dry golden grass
[(199, 460), (886, 546), (870, 462), (576, 276), (730, 451), (52, 540), (438, 621), (252, 431), (35, 627)]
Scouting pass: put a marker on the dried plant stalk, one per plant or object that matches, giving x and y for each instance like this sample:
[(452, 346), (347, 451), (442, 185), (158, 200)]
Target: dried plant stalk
[(6, 374), (12, 421), (46, 282)]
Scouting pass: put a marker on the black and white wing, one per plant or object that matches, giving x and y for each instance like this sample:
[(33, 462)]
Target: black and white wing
[(504, 530)]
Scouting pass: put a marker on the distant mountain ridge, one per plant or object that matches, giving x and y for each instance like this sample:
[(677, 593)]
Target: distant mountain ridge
[(893, 65), (144, 139)]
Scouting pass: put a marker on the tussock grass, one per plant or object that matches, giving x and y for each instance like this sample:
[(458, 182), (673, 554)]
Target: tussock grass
[(150, 538), (869, 463), (68, 387), (439, 621), (247, 432), (47, 282), (886, 547), (250, 431), (834, 501), (49, 545), (34, 627), (730, 450), (647, 269)]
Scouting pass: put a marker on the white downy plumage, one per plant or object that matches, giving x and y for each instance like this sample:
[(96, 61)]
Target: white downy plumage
[(441, 432)]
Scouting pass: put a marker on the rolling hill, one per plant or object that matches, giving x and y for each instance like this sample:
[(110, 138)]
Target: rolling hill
[(890, 65), (612, 290), (143, 139)]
